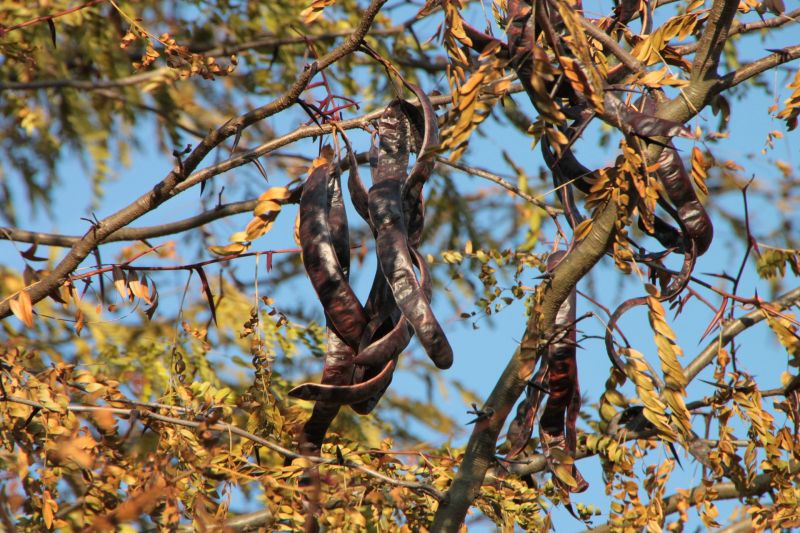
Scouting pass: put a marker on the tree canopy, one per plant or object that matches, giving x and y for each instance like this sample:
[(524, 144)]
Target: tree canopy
[(261, 258)]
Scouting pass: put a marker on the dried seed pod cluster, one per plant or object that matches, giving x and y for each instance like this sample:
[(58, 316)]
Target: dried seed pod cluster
[(531, 27), (364, 341)]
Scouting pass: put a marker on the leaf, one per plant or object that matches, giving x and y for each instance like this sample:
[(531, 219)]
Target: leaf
[(582, 229), (231, 249), (134, 284), (699, 169), (239, 237), (207, 292), (121, 282), (313, 11), (266, 207), (49, 509), (151, 310), (257, 227), (22, 308), (277, 194)]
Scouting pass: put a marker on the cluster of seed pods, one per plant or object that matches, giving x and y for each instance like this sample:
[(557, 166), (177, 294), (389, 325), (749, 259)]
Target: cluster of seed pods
[(557, 376), (365, 341)]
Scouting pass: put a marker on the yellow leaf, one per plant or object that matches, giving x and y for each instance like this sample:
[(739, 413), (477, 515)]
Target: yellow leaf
[(258, 227), (49, 509), (231, 249), (22, 308), (239, 237), (266, 206), (276, 194), (582, 229)]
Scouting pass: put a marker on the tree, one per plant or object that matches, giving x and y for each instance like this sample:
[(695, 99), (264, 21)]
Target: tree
[(127, 402)]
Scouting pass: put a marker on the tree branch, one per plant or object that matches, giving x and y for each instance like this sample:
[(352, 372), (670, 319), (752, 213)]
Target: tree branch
[(732, 329), (711, 43), (480, 450), (176, 180), (738, 29), (132, 234), (779, 57), (494, 178), (719, 491), (90, 85)]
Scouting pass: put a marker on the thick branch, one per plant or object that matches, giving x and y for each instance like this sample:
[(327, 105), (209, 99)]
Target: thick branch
[(712, 41), (175, 182), (779, 57)]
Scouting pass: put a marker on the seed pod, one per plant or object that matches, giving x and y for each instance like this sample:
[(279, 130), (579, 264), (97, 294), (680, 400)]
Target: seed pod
[(340, 303), (346, 394), (380, 351), (423, 166), (385, 209), (690, 212), (358, 193), (338, 371), (557, 426)]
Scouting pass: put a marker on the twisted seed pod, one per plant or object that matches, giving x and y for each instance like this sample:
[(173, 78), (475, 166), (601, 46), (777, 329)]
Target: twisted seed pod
[(557, 427), (377, 353), (346, 315), (338, 370), (346, 394), (392, 243), (385, 208), (322, 208)]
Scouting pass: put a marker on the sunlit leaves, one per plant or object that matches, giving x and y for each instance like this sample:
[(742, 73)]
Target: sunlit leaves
[(668, 353), (264, 215), (649, 50), (315, 10), (469, 110), (791, 108)]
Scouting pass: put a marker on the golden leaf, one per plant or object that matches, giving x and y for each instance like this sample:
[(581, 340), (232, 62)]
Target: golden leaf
[(230, 249), (582, 230), (276, 194), (22, 308), (699, 166)]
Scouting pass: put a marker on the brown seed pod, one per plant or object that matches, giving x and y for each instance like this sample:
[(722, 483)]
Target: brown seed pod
[(345, 312)]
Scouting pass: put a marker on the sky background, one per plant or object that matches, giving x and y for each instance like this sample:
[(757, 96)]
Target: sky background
[(481, 354)]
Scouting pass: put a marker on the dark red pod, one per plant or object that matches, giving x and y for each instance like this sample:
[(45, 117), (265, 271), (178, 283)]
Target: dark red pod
[(385, 209), (557, 427), (690, 212), (329, 279), (338, 371), (346, 394), (358, 193), (395, 341)]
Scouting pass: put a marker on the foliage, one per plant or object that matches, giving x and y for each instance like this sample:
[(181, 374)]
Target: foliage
[(148, 371)]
